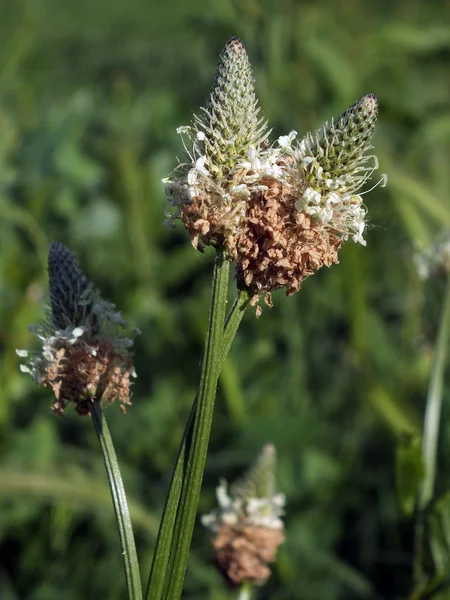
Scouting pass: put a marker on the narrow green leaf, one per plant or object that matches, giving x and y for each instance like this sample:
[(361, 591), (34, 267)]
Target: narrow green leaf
[(196, 457), (431, 435), (409, 472), (439, 534), (392, 411), (413, 220), (421, 195), (434, 402), (81, 490)]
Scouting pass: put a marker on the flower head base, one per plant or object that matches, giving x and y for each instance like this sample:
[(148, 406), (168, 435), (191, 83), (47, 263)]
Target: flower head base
[(281, 211), (248, 523), (85, 354)]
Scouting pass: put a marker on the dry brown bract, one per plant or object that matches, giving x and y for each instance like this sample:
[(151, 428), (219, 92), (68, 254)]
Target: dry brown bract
[(244, 553), (79, 376), (279, 246), (275, 247)]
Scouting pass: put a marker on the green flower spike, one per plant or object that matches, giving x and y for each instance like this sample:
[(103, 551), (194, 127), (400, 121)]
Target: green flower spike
[(226, 156), (230, 125)]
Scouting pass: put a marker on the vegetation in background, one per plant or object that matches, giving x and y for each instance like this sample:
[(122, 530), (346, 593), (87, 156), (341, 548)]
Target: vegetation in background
[(90, 96)]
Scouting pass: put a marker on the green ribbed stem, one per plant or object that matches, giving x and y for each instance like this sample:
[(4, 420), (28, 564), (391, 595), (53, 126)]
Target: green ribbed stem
[(162, 551), (433, 405), (431, 431), (197, 445), (130, 560)]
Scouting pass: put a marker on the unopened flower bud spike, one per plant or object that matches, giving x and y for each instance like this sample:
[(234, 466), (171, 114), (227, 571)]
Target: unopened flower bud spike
[(259, 481), (69, 288), (339, 150)]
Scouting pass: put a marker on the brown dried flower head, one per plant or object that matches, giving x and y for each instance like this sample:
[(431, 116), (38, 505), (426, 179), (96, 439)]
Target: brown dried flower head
[(280, 211), (85, 355), (247, 523)]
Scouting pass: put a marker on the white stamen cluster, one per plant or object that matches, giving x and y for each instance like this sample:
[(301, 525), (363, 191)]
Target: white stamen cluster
[(252, 500), (258, 512)]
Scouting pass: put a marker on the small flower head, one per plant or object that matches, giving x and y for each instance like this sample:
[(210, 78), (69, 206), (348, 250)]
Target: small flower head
[(247, 524), (85, 355), (434, 259), (281, 211)]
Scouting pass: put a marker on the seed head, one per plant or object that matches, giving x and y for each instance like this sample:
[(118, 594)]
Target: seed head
[(436, 259), (247, 524), (85, 354), (298, 223)]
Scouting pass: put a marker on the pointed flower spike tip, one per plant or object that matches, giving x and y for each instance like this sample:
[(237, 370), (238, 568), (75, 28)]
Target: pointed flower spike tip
[(226, 156), (259, 481), (230, 121), (68, 286), (86, 347), (247, 523), (338, 148)]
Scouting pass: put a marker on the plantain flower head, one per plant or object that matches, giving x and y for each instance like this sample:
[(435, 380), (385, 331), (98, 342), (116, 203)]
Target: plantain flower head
[(247, 523), (281, 211), (435, 259), (86, 348)]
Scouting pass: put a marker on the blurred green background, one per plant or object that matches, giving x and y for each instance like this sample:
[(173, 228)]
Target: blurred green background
[(335, 376)]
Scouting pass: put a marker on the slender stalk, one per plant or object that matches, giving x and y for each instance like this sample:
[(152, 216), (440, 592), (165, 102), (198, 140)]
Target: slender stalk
[(119, 499), (159, 569), (431, 428), (196, 455), (162, 551), (245, 593), (232, 323), (433, 405)]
